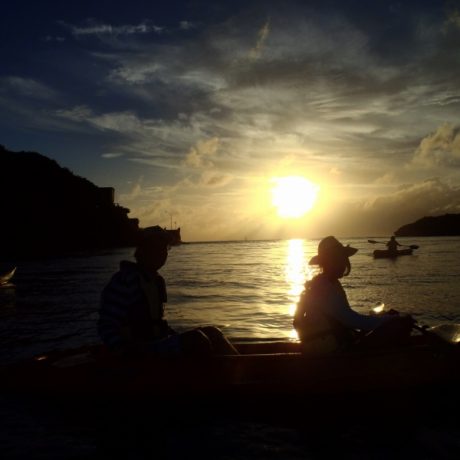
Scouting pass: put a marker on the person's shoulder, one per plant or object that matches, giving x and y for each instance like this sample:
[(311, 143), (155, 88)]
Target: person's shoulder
[(128, 272), (128, 266), (159, 277), (319, 282), (318, 279)]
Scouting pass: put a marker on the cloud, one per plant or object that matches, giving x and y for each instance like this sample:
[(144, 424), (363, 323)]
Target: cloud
[(346, 98), (135, 193), (101, 29), (27, 87), (386, 179), (441, 148), (262, 38), (321, 76), (121, 122), (136, 74), (386, 213), (411, 202), (154, 204), (148, 141), (78, 113), (452, 20), (433, 195), (198, 156), (112, 155), (214, 179), (186, 25), (52, 38)]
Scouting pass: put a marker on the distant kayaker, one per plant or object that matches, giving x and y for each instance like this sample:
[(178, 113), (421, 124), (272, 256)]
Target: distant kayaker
[(392, 245), (324, 320), (131, 314)]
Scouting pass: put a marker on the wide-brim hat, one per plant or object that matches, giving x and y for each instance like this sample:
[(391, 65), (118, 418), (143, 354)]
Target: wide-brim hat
[(330, 248)]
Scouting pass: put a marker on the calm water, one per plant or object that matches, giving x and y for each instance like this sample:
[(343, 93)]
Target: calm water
[(249, 289)]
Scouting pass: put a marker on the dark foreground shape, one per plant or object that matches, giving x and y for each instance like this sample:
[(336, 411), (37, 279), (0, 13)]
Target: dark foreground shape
[(267, 374), (385, 254), (5, 277)]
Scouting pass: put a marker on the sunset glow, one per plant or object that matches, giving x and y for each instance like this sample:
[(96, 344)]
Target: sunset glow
[(293, 196), (214, 116)]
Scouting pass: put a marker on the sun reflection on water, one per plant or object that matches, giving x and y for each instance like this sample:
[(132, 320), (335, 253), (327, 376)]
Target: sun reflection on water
[(297, 271)]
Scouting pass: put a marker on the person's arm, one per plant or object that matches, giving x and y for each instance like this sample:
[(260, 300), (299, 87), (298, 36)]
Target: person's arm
[(337, 307)]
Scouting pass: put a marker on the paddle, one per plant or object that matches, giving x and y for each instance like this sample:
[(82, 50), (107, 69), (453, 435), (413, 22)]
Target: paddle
[(412, 246), (444, 334)]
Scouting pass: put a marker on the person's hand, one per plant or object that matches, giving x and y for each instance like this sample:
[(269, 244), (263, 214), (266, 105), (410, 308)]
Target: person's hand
[(409, 319), (404, 320)]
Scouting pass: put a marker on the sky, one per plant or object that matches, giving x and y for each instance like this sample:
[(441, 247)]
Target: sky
[(192, 110)]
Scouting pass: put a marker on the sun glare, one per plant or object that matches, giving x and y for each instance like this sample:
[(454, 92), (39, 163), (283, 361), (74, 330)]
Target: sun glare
[(293, 196)]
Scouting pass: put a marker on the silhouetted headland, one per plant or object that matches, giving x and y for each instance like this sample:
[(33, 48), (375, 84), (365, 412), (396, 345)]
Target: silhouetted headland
[(175, 235), (446, 225), (48, 210)]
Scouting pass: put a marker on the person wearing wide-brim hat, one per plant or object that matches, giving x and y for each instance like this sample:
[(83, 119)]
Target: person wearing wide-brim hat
[(324, 320), (131, 313)]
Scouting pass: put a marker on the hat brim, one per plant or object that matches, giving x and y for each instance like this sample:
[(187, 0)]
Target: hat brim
[(314, 260), (347, 250)]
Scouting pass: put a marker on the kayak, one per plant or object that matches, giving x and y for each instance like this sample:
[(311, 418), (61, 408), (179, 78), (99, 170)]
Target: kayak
[(384, 253), (6, 276), (263, 369)]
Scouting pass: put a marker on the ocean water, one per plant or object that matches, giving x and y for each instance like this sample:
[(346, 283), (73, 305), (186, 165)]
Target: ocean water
[(248, 289)]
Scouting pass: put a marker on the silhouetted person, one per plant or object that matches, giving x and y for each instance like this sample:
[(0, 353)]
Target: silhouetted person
[(392, 245), (324, 319), (131, 314)]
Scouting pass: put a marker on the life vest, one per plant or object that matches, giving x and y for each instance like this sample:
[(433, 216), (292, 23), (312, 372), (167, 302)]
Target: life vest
[(316, 337), (155, 294), (318, 332)]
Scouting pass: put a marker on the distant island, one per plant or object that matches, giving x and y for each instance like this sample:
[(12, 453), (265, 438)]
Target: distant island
[(48, 210), (446, 225)]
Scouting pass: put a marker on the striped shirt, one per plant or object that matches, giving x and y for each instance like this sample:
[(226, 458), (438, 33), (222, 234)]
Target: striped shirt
[(132, 307)]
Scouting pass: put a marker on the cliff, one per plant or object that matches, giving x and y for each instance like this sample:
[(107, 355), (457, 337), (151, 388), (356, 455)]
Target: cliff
[(46, 209), (446, 225)]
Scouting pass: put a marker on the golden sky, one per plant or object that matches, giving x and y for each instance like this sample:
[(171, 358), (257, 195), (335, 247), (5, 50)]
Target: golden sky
[(193, 111)]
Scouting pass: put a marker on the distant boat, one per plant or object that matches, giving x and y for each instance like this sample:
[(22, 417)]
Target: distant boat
[(5, 277), (386, 254)]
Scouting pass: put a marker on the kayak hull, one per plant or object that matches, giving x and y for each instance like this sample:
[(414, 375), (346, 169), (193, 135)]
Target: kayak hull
[(385, 254), (271, 370)]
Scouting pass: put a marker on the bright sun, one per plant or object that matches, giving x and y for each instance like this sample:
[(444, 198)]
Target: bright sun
[(293, 196)]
